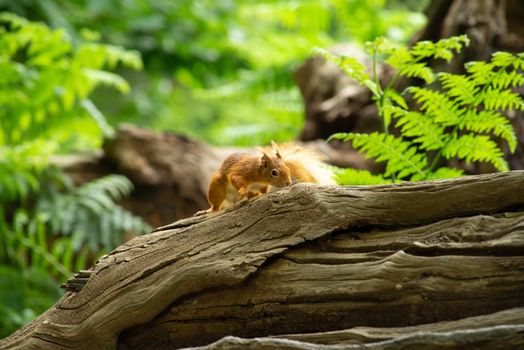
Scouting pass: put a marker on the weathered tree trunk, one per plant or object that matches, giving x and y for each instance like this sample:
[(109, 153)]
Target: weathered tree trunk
[(310, 259), (170, 172)]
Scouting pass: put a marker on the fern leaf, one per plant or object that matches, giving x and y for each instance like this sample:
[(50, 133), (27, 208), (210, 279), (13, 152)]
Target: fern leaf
[(462, 88), (401, 156), (502, 59), (481, 72), (501, 99), (441, 49), (489, 121), (399, 58), (100, 77), (418, 70), (351, 67), (504, 79), (396, 97), (437, 105), (445, 173), (350, 176), (476, 148), (98, 117), (518, 63), (422, 129)]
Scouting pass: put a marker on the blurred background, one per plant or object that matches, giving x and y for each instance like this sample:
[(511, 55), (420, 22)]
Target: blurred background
[(219, 72)]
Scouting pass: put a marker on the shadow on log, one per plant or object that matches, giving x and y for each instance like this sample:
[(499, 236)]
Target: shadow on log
[(311, 263)]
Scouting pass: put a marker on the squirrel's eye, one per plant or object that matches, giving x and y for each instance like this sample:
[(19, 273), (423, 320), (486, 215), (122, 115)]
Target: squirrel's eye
[(274, 172)]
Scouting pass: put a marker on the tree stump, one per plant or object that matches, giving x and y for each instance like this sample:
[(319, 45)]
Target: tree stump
[(395, 266)]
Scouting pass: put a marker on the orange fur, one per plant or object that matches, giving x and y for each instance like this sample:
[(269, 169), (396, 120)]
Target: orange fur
[(247, 175)]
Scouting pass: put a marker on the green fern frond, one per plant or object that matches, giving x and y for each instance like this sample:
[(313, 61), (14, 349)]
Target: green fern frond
[(28, 243), (445, 173), (504, 79), (402, 157), (476, 148), (399, 58), (494, 99), (436, 104), (426, 133), (489, 121), (382, 46), (351, 66), (116, 186), (90, 214), (396, 97), (418, 70), (441, 49), (356, 177), (461, 87), (518, 63), (99, 77), (502, 59), (470, 103), (481, 72)]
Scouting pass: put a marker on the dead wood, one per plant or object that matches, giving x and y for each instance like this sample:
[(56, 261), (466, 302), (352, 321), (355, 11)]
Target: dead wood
[(497, 337), (170, 172), (302, 260)]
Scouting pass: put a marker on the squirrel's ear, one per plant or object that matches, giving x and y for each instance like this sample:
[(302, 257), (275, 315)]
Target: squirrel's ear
[(265, 160), (275, 148)]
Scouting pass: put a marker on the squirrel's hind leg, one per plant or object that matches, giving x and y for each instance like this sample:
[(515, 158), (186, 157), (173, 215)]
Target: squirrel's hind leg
[(217, 192)]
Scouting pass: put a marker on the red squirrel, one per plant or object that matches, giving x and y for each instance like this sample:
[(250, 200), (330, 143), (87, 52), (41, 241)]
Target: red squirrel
[(247, 175)]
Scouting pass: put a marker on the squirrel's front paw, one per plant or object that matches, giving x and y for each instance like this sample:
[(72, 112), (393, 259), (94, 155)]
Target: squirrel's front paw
[(202, 212)]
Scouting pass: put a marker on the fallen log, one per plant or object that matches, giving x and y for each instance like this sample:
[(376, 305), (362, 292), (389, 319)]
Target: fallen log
[(304, 260), (170, 172)]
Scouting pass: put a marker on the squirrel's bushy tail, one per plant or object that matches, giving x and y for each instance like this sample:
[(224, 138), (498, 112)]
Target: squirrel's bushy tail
[(305, 160)]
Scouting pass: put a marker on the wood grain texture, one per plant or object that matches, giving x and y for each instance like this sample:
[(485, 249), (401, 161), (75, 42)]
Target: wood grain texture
[(148, 277), (391, 278)]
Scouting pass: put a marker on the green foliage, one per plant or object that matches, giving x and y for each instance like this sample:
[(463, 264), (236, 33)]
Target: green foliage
[(46, 83), (401, 156), (350, 176), (24, 294), (48, 226), (456, 116), (222, 71), (89, 213)]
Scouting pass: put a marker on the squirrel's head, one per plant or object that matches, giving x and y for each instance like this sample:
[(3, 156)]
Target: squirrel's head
[(274, 169)]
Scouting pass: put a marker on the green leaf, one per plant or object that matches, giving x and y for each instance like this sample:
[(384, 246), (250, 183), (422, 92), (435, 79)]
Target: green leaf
[(437, 105), (445, 173), (489, 121), (476, 148), (429, 135), (401, 157), (460, 87), (351, 66), (494, 99), (349, 176), (418, 70), (101, 121)]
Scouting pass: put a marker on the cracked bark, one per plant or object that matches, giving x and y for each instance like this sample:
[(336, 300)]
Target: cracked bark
[(304, 260)]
